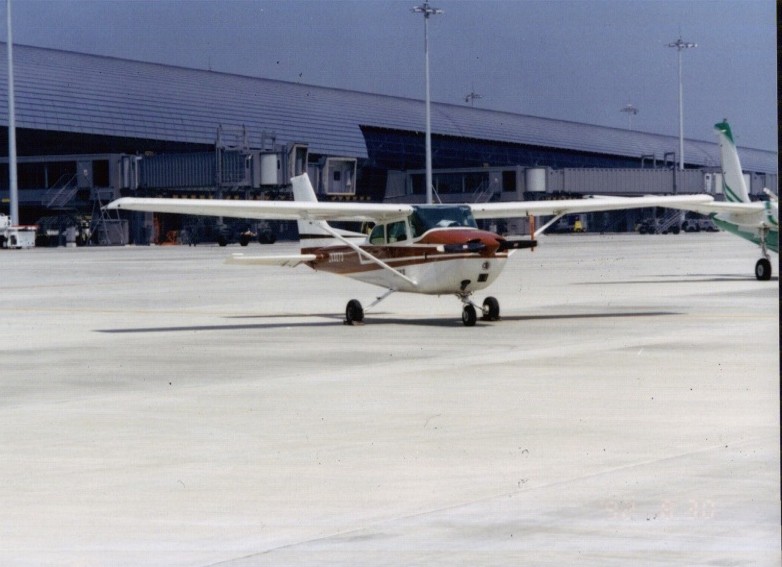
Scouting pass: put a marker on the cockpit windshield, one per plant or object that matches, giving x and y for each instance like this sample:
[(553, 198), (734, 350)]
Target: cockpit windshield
[(440, 216)]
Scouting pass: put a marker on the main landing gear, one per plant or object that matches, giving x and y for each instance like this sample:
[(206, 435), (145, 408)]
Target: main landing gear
[(763, 269), (763, 266), (490, 310), (354, 313)]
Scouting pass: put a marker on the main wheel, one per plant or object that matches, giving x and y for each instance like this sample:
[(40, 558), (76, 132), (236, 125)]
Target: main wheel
[(354, 313), (491, 309), (763, 270), (469, 316)]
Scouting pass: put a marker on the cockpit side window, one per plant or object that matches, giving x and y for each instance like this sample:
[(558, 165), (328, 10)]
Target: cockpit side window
[(397, 231), (378, 235)]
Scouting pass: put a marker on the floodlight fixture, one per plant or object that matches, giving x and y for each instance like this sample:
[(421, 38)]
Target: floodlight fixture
[(631, 111), (471, 97)]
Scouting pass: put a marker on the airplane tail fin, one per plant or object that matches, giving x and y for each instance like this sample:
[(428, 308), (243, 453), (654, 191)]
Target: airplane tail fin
[(308, 229), (733, 185), (316, 233)]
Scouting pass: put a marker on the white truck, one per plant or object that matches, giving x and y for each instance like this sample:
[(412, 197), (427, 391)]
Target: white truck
[(16, 236)]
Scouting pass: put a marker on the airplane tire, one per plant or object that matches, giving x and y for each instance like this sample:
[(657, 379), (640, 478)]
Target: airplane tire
[(763, 270), (491, 309), (354, 313), (469, 316)]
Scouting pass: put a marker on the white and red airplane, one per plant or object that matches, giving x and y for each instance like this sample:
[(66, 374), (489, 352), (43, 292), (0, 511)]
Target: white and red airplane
[(429, 249)]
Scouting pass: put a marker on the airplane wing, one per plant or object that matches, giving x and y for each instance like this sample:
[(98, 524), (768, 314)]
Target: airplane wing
[(587, 205), (724, 207), (383, 212), (755, 214), (267, 210)]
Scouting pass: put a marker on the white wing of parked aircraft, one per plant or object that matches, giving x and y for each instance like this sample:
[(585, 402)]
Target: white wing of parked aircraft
[(429, 249), (382, 212)]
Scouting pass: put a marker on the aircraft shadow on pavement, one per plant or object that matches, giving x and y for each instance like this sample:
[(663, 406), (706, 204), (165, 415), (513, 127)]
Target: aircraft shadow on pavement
[(678, 279), (333, 319), (375, 319)]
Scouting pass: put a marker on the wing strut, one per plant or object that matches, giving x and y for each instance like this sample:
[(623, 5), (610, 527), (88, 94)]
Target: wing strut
[(367, 255), (540, 231)]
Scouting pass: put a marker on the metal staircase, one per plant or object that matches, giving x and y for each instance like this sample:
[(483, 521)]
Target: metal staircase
[(483, 193), (107, 229), (671, 222), (61, 193)]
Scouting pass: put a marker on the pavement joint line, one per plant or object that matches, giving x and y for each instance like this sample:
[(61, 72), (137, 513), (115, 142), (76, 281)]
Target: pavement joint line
[(501, 496)]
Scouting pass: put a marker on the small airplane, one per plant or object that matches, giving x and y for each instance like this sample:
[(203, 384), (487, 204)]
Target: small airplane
[(756, 221), (428, 249)]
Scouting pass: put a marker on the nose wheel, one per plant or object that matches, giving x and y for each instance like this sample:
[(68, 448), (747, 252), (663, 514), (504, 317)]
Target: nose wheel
[(469, 316)]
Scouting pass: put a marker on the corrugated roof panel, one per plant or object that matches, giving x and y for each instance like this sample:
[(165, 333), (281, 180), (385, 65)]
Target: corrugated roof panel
[(82, 93)]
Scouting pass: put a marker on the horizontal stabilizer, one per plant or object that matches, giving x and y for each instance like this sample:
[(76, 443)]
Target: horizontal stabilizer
[(290, 260)]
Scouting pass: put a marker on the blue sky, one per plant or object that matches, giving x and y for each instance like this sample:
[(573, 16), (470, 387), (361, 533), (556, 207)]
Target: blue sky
[(579, 60)]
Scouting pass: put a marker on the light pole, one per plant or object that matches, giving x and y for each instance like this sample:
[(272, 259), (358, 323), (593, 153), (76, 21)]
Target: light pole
[(13, 189), (427, 11), (631, 111), (472, 97), (681, 45)]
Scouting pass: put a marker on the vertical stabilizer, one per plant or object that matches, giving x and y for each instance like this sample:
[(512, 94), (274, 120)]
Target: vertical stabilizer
[(303, 191), (302, 188), (318, 233), (733, 186)]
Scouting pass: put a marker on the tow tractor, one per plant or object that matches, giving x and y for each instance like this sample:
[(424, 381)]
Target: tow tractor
[(20, 236)]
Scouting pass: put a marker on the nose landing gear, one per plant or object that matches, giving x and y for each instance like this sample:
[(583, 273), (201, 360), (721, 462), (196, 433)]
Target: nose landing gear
[(490, 310)]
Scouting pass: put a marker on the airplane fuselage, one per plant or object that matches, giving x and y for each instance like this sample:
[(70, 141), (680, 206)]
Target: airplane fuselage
[(760, 227), (752, 233), (442, 261)]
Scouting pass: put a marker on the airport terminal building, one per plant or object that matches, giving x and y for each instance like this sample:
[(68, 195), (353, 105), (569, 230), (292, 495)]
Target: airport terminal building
[(90, 129)]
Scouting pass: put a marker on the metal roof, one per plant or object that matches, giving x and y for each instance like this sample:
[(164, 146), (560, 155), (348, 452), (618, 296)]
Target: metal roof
[(74, 92)]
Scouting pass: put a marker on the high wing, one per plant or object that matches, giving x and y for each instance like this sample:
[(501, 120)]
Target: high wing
[(724, 207), (382, 212), (587, 205), (267, 210), (758, 214)]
